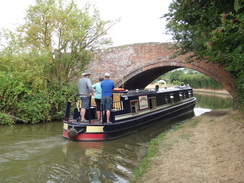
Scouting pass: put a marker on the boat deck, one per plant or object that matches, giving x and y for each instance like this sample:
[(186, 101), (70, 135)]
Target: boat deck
[(93, 121)]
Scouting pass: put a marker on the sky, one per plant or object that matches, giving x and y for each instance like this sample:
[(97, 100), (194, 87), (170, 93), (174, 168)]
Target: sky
[(140, 20)]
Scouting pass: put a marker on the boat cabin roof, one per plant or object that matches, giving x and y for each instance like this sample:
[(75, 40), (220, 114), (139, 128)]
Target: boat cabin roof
[(147, 92)]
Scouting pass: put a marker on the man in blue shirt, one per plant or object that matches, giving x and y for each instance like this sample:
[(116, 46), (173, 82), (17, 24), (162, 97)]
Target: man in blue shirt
[(107, 87)]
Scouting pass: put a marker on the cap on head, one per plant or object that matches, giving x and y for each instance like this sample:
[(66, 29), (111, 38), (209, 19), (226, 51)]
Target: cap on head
[(85, 73), (107, 74)]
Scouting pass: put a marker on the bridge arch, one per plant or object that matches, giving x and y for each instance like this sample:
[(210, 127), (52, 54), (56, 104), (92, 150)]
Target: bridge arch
[(137, 65), (141, 77)]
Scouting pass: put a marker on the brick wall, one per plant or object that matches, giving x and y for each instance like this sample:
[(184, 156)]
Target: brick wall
[(126, 61)]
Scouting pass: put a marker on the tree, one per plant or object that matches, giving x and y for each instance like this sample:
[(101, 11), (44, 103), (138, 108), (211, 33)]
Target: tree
[(175, 75), (58, 28), (213, 31), (39, 59)]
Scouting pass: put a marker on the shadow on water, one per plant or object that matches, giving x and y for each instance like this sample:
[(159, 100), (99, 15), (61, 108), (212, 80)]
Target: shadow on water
[(38, 153)]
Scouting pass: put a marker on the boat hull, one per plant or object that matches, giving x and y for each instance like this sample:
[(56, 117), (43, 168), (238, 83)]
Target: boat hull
[(104, 132)]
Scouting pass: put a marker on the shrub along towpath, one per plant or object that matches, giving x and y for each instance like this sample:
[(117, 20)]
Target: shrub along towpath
[(205, 149)]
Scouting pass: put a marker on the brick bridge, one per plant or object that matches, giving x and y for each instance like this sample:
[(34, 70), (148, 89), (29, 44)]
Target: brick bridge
[(137, 65)]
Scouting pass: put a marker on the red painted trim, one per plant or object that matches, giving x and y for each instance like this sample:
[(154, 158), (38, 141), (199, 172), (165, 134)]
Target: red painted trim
[(85, 136), (118, 89), (65, 134)]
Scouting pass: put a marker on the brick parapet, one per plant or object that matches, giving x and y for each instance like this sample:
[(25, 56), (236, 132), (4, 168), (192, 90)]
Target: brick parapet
[(124, 62)]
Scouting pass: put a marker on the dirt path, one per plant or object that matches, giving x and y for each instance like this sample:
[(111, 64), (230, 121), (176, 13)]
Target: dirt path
[(207, 149)]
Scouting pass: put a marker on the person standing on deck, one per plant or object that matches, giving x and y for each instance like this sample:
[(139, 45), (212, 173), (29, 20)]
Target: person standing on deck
[(85, 89), (98, 97), (107, 87)]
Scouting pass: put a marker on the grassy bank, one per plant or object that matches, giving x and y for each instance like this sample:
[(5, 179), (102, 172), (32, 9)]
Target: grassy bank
[(209, 91), (207, 148)]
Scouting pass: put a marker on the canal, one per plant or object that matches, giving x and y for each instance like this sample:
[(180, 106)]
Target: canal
[(38, 153)]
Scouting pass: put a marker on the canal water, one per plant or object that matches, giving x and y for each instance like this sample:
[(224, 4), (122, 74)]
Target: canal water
[(38, 153)]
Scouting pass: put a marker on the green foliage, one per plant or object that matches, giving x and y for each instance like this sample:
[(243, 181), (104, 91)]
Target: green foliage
[(27, 95), (64, 33), (152, 150), (6, 119), (176, 75), (43, 56), (176, 126), (23, 89), (193, 78), (200, 81), (212, 30)]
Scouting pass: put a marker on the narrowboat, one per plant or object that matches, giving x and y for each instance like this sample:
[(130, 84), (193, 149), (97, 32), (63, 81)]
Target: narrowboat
[(131, 111)]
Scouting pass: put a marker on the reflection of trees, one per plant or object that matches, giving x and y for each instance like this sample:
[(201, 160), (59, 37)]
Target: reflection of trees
[(88, 164), (112, 161), (95, 173), (213, 101), (30, 129), (49, 157)]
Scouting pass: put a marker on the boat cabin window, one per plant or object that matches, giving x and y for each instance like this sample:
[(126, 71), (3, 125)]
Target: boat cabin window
[(134, 107), (166, 100), (181, 96), (171, 98), (152, 102), (189, 93)]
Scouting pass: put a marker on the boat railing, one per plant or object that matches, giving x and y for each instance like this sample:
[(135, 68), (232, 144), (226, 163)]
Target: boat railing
[(78, 101), (118, 106)]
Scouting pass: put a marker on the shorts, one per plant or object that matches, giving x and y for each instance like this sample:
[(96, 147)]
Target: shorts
[(106, 103), (85, 102), (98, 103)]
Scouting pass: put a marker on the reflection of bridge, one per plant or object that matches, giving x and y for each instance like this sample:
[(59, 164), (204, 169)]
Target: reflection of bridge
[(135, 66)]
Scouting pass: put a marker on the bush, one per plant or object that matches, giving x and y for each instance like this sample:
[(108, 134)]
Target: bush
[(6, 119), (27, 95)]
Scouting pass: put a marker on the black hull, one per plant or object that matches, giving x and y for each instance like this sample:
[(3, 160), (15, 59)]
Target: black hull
[(104, 132)]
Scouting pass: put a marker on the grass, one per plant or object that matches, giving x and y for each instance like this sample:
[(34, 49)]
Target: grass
[(186, 140), (153, 149), (167, 145)]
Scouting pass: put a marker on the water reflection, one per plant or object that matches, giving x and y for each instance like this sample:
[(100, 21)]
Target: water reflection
[(38, 153), (211, 101), (112, 161)]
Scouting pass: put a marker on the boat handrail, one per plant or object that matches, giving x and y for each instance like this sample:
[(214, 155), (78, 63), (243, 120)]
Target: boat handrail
[(78, 104), (117, 105), (85, 94)]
